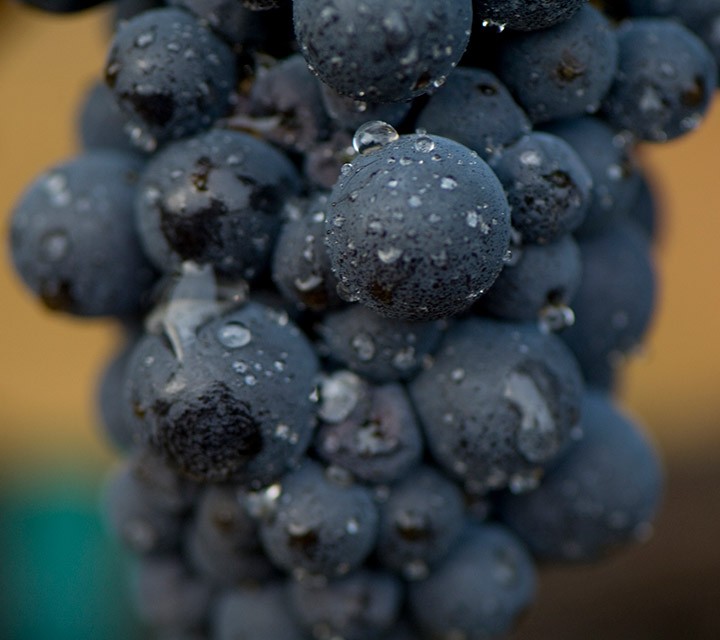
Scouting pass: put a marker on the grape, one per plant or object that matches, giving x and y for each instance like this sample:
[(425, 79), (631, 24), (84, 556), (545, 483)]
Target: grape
[(290, 94), (419, 523), (300, 266), (498, 403), (136, 520), (167, 596), (171, 75), (479, 590), (73, 240), (101, 123), (604, 491), (547, 185), (539, 286), (614, 302), (376, 347), (382, 50), (255, 614), (666, 77), (562, 71), (222, 542), (320, 526), (230, 402), (361, 606), (405, 232), (379, 444), (609, 158), (215, 199), (485, 117)]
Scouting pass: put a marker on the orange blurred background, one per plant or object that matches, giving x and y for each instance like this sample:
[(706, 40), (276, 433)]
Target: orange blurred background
[(49, 363)]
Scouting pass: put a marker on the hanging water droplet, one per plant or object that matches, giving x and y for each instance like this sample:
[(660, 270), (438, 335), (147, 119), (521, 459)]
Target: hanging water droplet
[(373, 135), (263, 504), (424, 144), (234, 335), (555, 317)]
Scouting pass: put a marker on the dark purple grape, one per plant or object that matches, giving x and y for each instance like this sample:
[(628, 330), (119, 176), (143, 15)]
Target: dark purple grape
[(603, 492), (382, 50), (563, 71), (320, 525), (417, 228), (378, 348), (547, 186), (666, 78), (170, 74), (479, 591), (419, 523), (215, 199), (379, 444), (261, 613), (485, 118), (498, 403), (73, 239), (364, 605)]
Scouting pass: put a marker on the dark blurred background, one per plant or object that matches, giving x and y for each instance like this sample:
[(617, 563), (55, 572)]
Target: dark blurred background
[(61, 577)]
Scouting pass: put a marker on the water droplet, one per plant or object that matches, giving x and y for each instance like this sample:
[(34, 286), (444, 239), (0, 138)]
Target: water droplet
[(555, 317), (457, 375), (145, 39), (364, 346), (416, 570), (537, 436), (54, 246), (389, 255), (414, 201), (282, 431), (352, 526), (250, 380), (396, 28), (424, 144), (373, 135), (404, 359), (339, 395), (346, 169), (525, 481), (57, 188), (448, 183), (234, 335), (263, 503), (531, 158)]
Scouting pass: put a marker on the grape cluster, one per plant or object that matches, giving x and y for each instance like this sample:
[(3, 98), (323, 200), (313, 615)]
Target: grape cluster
[(378, 265)]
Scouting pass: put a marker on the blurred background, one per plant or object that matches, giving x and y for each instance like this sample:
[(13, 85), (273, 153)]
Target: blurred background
[(61, 577)]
